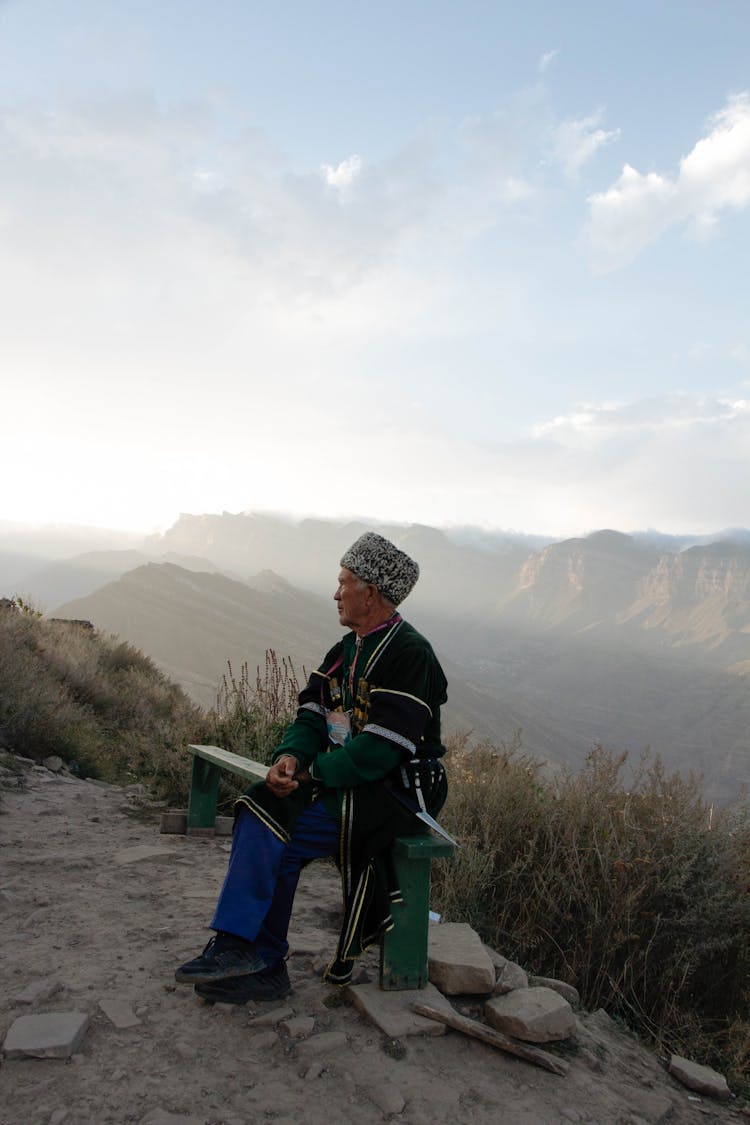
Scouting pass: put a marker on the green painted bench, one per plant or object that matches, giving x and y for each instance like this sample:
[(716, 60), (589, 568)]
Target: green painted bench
[(403, 951)]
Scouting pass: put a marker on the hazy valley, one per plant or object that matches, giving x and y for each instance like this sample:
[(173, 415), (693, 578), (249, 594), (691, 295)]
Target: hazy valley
[(632, 641)]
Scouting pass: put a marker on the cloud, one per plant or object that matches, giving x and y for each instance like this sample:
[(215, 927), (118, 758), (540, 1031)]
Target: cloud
[(546, 58), (712, 179), (344, 174), (658, 415), (679, 462), (577, 139)]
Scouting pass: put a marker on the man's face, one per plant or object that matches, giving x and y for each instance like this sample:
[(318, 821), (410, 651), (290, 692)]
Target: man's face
[(351, 597)]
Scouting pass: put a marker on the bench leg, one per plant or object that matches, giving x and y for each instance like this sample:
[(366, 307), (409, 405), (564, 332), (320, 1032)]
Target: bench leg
[(204, 791), (403, 951)]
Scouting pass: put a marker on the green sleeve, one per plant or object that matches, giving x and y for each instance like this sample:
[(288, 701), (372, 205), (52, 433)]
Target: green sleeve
[(304, 739), (367, 757)]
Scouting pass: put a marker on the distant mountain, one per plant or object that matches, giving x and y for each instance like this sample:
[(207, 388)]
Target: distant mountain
[(192, 624), (613, 585), (65, 579), (636, 641), (579, 582), (458, 572)]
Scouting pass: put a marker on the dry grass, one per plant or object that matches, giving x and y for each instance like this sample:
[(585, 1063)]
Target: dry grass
[(638, 896), (252, 711), (96, 702)]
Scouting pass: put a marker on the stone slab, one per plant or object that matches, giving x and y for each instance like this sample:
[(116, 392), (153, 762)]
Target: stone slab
[(119, 1012), (458, 961), (273, 1018), (510, 977), (38, 992), (328, 1043), (51, 1035), (298, 1027), (391, 1011), (534, 1015), (702, 1079), (567, 991), (173, 822)]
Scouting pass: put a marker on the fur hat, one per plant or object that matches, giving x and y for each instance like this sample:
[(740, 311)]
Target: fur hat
[(375, 559)]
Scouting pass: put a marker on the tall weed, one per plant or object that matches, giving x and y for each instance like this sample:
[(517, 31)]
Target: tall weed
[(253, 711), (638, 895)]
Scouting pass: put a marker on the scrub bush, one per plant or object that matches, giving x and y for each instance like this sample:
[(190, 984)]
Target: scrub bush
[(252, 712), (96, 702), (639, 895)]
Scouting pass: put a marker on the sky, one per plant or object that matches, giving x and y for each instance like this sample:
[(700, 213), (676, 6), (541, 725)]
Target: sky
[(449, 263)]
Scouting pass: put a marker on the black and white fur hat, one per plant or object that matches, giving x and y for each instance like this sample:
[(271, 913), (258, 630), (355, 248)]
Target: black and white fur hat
[(375, 559)]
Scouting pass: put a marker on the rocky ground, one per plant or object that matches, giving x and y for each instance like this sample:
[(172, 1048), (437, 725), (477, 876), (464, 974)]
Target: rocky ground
[(96, 911)]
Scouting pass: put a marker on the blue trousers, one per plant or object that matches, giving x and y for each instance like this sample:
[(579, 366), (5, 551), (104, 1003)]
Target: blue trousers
[(258, 892)]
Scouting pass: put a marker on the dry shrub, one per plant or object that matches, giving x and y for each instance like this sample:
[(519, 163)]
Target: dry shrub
[(638, 895), (95, 701), (252, 712)]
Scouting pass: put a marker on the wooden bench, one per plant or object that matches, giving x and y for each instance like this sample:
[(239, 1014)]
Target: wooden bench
[(403, 950)]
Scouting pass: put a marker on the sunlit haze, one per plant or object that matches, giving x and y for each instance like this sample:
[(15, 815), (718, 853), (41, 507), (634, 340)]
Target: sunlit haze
[(427, 261)]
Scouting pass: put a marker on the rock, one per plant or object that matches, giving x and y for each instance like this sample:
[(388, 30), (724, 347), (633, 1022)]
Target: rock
[(59, 1117), (265, 1039), (119, 1012), (184, 1050), (650, 1106), (40, 990), (272, 1018), (510, 977), (391, 1011), (52, 1035), (314, 1071), (387, 1097), (54, 764), (299, 1027), (535, 1015), (702, 1079), (457, 960), (173, 822), (496, 958), (326, 1043), (567, 991)]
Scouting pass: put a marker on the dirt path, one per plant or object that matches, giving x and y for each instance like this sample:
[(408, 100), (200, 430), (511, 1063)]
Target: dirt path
[(88, 906)]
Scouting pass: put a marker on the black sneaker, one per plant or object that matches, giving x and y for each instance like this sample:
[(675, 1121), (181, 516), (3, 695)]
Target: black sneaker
[(225, 956), (271, 984)]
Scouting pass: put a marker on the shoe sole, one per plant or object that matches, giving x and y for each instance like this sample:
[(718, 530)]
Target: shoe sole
[(227, 998), (220, 996), (217, 975)]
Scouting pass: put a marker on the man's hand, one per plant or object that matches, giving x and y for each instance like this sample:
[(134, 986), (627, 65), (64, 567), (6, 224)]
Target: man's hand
[(280, 778)]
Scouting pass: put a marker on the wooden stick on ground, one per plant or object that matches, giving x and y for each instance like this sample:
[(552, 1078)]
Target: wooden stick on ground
[(494, 1038)]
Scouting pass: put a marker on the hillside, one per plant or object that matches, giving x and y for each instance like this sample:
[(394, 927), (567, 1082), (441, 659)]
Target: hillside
[(564, 691), (192, 624), (626, 640)]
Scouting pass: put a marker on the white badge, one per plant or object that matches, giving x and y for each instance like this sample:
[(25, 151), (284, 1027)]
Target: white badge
[(339, 727)]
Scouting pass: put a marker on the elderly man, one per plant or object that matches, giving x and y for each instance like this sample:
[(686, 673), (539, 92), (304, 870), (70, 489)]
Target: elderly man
[(362, 753)]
